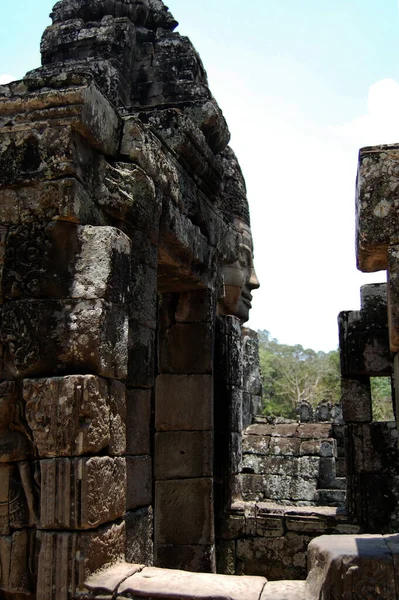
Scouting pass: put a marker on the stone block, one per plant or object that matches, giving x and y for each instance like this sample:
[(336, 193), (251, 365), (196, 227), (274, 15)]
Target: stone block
[(302, 489), (327, 472), (29, 154), (186, 348), (141, 355), (228, 351), (314, 430), (64, 200), (183, 454), (65, 260), (184, 512), (348, 566), (230, 527), (284, 446), (197, 306), (282, 557), (66, 560), (252, 487), (18, 564), (270, 526), (142, 302), (126, 193), (364, 343), (138, 422), (197, 559), (14, 510), (15, 439), (184, 402), (139, 481), (235, 453), (62, 99), (82, 493), (152, 582), (356, 399), (139, 536), (43, 336), (104, 583), (226, 557), (235, 408), (252, 444), (309, 466), (117, 418), (377, 219), (68, 416)]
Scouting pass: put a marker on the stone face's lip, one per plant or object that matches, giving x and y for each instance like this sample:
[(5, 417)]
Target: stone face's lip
[(246, 297)]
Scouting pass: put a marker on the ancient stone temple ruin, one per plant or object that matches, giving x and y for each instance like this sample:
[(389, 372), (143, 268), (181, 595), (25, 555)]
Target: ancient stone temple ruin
[(134, 459)]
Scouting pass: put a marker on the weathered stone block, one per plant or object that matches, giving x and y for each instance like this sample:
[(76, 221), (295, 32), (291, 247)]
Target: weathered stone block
[(126, 193), (64, 260), (183, 454), (226, 557), (141, 355), (363, 336), (14, 511), (195, 307), (283, 557), (82, 493), (66, 560), (117, 418), (75, 100), (186, 348), (64, 200), (154, 583), (252, 444), (198, 559), (43, 336), (184, 512), (139, 536), (356, 399), (270, 526), (376, 206), (15, 440), (142, 304), (17, 564), (228, 351), (139, 481), (309, 466), (184, 402), (351, 566), (138, 421), (69, 415), (302, 489), (30, 154), (284, 446)]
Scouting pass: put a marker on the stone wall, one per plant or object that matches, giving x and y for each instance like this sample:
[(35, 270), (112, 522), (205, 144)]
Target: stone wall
[(293, 464)]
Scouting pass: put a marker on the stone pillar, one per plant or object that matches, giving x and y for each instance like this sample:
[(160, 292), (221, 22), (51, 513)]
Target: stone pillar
[(364, 347), (184, 514)]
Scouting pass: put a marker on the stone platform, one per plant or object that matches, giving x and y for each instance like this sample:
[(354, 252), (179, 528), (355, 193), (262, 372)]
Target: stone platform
[(362, 567)]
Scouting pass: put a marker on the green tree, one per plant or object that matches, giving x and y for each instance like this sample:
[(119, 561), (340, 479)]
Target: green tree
[(292, 374)]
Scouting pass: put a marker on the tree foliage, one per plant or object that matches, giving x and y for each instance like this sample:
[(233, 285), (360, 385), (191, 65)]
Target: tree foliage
[(292, 374)]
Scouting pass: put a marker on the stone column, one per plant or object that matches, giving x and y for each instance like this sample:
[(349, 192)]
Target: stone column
[(184, 514)]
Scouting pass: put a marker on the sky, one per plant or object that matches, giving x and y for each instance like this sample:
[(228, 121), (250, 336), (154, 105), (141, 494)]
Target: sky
[(303, 85)]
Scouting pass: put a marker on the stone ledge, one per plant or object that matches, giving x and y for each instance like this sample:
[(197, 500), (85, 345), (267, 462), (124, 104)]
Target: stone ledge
[(124, 580)]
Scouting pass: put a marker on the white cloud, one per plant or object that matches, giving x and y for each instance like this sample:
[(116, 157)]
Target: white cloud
[(380, 125), (6, 78)]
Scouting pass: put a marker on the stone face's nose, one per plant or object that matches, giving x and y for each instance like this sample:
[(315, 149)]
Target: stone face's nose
[(253, 280)]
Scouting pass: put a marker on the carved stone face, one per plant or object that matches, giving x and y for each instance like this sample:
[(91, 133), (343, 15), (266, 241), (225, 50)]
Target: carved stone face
[(239, 278)]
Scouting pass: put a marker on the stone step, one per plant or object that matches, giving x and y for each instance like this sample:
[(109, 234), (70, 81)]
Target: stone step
[(286, 590), (125, 580)]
